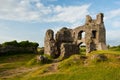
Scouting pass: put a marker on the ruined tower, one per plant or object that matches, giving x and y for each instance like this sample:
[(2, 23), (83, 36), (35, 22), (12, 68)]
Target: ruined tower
[(95, 33), (67, 41)]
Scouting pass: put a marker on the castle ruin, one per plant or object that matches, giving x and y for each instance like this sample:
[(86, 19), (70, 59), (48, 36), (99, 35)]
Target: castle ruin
[(67, 41)]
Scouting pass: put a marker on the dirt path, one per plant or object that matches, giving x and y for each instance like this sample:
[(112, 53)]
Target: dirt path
[(15, 72), (9, 73)]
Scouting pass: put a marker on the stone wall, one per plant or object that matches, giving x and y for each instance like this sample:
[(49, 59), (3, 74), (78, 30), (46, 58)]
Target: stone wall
[(50, 44), (67, 41), (68, 49)]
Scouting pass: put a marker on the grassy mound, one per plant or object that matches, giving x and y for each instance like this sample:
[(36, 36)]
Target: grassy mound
[(76, 67)]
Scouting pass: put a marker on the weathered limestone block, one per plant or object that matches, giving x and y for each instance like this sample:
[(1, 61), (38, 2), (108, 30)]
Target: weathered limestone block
[(68, 49), (50, 44), (42, 59)]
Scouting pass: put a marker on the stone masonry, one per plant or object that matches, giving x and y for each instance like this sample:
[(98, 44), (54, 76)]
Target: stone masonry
[(67, 41)]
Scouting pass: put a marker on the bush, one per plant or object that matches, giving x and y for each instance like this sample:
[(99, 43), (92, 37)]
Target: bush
[(11, 43), (13, 47), (28, 44), (21, 44)]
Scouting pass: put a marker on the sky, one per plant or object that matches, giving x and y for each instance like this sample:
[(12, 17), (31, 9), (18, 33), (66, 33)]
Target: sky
[(29, 19)]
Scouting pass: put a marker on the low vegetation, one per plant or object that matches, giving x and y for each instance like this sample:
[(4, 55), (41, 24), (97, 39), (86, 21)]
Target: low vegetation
[(14, 47), (77, 67), (21, 44)]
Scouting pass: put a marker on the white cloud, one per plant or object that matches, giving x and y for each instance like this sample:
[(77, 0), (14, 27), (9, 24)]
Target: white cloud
[(112, 20), (116, 24), (70, 14), (113, 14), (34, 10), (113, 37), (20, 10), (113, 34), (39, 5)]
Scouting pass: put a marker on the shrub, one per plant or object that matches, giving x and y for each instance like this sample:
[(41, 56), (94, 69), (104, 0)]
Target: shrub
[(13, 47), (21, 44), (11, 43), (28, 44)]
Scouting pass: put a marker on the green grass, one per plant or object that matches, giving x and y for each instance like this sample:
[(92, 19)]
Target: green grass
[(76, 67)]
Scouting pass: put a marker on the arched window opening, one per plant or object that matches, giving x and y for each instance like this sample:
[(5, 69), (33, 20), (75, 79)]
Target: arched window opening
[(81, 35)]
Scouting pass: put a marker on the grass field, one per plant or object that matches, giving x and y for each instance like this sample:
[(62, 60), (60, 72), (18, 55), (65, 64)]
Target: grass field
[(76, 67)]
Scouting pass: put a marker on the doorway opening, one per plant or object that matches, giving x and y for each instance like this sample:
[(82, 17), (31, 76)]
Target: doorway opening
[(82, 48)]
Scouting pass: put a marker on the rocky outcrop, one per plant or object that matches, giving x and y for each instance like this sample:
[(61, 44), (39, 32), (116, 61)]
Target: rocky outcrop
[(42, 59), (99, 57)]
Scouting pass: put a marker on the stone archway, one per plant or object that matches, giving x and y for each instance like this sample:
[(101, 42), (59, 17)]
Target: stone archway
[(81, 37), (82, 47)]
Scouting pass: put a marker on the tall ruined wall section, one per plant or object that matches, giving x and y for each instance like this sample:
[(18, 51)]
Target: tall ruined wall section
[(102, 33), (95, 33), (50, 44)]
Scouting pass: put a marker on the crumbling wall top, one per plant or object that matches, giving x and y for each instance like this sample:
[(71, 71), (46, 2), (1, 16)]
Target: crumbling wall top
[(99, 19), (49, 34), (88, 19)]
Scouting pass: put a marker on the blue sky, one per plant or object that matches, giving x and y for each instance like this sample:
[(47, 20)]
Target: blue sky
[(29, 19)]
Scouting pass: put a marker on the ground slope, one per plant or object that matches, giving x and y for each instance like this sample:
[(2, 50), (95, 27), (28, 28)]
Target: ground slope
[(77, 67)]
